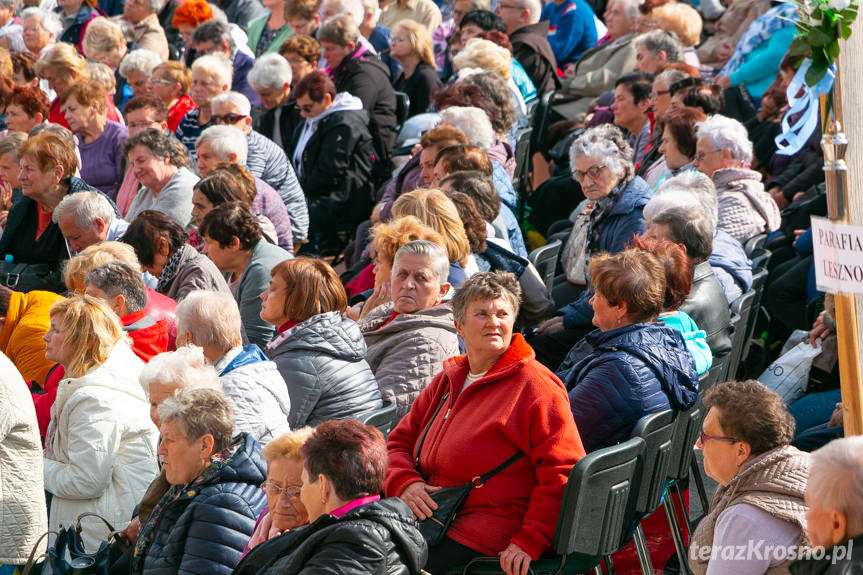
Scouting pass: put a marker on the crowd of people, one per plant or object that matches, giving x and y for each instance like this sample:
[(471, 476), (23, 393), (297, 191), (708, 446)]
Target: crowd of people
[(234, 231)]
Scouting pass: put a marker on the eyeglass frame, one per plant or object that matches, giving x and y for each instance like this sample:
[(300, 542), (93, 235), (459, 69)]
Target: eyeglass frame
[(704, 438), (290, 491), (223, 120), (592, 171), (699, 156)]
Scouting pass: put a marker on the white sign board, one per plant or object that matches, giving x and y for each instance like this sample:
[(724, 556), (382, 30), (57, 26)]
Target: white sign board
[(838, 253)]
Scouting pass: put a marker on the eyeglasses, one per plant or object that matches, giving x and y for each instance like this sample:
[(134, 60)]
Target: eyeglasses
[(704, 438), (162, 81), (306, 109), (228, 118), (501, 6), (655, 95), (398, 40), (701, 155), (272, 490), (592, 171)]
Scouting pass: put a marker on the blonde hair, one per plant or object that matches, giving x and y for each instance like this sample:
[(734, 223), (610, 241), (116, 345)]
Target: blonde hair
[(102, 75), (61, 56), (680, 19), (102, 36), (420, 40), (485, 55), (94, 256), (433, 208), (287, 446), (92, 330), (388, 237)]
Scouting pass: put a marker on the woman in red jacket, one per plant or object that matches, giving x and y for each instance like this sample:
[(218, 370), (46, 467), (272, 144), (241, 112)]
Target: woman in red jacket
[(494, 402)]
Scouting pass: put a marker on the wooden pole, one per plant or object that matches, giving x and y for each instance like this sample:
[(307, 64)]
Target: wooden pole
[(843, 165)]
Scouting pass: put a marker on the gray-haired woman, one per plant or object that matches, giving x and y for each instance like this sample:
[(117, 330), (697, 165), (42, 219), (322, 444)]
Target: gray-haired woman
[(205, 519), (159, 163), (601, 162)]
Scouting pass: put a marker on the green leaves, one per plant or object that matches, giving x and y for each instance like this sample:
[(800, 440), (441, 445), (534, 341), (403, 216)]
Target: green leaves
[(821, 25)]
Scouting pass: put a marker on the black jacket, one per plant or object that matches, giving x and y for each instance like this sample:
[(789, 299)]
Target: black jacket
[(336, 171), (376, 538), (708, 308), (288, 121), (531, 48), (367, 78)]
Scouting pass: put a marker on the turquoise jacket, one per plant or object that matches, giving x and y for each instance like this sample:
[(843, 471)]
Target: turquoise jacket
[(256, 29), (761, 65), (694, 338)]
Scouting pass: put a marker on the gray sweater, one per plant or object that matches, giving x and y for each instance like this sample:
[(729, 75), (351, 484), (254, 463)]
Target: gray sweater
[(252, 283), (175, 199)]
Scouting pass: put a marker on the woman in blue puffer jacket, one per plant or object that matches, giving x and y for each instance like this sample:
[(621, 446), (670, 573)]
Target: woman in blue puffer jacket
[(632, 365)]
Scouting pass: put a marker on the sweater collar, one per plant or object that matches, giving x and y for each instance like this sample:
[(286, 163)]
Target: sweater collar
[(516, 355)]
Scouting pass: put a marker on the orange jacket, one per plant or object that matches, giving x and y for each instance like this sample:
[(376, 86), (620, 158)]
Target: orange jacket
[(517, 405), (27, 320)]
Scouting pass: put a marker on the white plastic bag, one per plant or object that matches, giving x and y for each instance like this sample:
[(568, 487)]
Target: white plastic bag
[(789, 374)]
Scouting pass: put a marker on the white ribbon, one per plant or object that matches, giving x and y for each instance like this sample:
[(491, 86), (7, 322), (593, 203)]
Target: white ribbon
[(794, 137)]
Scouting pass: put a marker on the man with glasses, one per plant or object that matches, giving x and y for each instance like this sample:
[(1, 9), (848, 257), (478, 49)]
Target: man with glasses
[(214, 37), (529, 39)]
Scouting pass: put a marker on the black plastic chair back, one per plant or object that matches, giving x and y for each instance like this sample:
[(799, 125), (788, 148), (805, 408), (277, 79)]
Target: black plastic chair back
[(521, 175), (742, 308), (760, 258), (686, 432), (544, 259), (597, 501), (541, 117), (754, 243), (657, 431), (381, 418), (759, 279), (403, 108)]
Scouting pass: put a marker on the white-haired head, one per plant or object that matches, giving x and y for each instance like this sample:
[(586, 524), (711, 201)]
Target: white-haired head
[(139, 60), (85, 207), (216, 66), (186, 367), (48, 20), (698, 185), (234, 99), (225, 141), (353, 8), (724, 133), (604, 144), (835, 486), (271, 71), (211, 320), (473, 122)]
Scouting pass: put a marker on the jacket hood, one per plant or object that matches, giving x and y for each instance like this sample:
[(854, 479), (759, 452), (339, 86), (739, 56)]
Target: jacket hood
[(241, 462), (438, 317), (327, 333), (662, 349), (728, 254), (393, 514), (344, 102), (636, 195)]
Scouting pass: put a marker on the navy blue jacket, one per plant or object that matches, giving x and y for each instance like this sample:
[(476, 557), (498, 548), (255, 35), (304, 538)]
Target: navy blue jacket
[(615, 378), (205, 530), (243, 64), (625, 221)]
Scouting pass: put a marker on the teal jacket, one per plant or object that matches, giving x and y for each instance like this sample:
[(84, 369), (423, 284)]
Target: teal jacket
[(761, 65), (694, 338), (256, 29)]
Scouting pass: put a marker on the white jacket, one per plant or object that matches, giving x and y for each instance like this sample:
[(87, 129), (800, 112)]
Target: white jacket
[(22, 497), (101, 447)]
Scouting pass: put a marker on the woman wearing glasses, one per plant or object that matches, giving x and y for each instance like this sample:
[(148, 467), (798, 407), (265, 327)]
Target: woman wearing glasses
[(602, 164), (759, 502), (284, 510)]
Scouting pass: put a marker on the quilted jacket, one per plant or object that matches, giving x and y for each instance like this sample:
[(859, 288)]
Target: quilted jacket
[(745, 209), (377, 537), (616, 377), (323, 362), (406, 353), (204, 530), (27, 320), (100, 452), (22, 496), (257, 392)]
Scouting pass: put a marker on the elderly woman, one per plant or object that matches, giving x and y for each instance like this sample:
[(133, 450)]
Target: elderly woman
[(233, 241), (104, 43), (161, 167), (75, 15), (409, 338), (47, 163), (27, 108), (271, 79), (205, 518), (268, 31), (350, 523), (171, 82), (320, 354), (39, 29), (252, 383), (487, 394), (211, 75), (136, 68), (10, 186), (284, 510), (100, 450), (303, 54), (412, 47), (601, 162), (332, 155), (99, 139), (678, 141), (762, 479), (723, 153), (632, 365), (162, 248), (142, 27), (835, 516)]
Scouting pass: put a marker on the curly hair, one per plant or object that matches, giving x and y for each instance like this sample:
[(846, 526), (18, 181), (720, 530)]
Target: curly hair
[(678, 269), (159, 144), (192, 13), (497, 98), (486, 286), (606, 143)]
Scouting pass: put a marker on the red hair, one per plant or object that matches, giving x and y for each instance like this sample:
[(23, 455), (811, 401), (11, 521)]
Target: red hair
[(315, 85), (191, 13), (678, 269)]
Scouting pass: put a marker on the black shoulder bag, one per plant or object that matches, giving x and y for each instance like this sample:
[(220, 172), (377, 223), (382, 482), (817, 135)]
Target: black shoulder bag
[(450, 499)]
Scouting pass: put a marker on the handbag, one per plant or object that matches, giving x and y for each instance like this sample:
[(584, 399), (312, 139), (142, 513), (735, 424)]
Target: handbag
[(25, 278), (450, 499), (67, 555)]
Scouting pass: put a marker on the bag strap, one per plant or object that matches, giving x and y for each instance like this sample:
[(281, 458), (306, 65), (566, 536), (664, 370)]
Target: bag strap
[(480, 480), (426, 430), (33, 558), (78, 527)]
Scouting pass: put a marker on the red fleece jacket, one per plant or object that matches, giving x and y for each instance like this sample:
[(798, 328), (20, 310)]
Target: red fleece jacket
[(517, 405)]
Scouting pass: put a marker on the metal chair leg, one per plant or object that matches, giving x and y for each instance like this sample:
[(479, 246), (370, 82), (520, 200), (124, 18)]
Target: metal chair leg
[(609, 565), (641, 550), (674, 524), (699, 484)]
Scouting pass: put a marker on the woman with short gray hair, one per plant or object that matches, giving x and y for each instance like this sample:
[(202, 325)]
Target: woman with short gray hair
[(204, 520), (723, 152), (250, 381), (601, 162), (409, 338), (40, 28), (137, 68)]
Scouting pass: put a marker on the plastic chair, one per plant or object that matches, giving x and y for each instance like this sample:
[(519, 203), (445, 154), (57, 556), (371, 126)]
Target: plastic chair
[(403, 108), (521, 175), (760, 258), (759, 279), (544, 259), (741, 307), (754, 243), (381, 418), (541, 117), (657, 431), (594, 515)]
